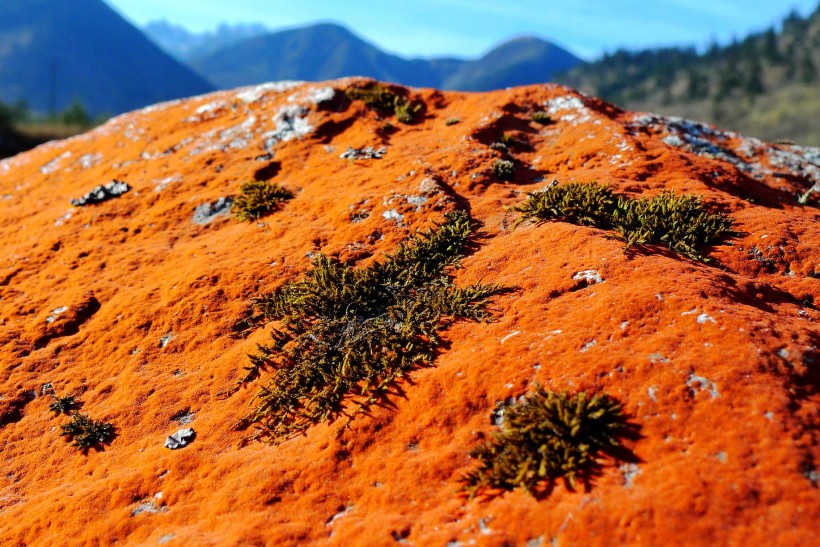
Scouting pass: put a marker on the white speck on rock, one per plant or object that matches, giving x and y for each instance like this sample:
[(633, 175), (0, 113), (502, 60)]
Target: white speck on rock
[(180, 439), (249, 95), (320, 94), (56, 313), (165, 339), (699, 383), (590, 276), (291, 123), (148, 506), (54, 164), (588, 345), (513, 333), (652, 391), (394, 215), (339, 515), (630, 471), (704, 317)]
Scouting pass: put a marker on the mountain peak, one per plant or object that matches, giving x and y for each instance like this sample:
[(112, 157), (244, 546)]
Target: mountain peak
[(60, 51)]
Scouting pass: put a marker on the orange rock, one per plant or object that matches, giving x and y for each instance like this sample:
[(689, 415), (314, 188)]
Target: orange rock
[(717, 363)]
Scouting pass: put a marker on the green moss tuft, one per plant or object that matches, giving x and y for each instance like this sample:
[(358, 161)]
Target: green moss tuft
[(86, 432), (452, 121), (679, 222), (344, 335), (544, 437), (62, 405), (258, 198), (541, 117), (385, 102), (578, 203), (504, 169)]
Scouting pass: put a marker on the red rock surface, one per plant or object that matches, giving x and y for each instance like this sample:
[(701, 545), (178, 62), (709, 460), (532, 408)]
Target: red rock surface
[(717, 363)]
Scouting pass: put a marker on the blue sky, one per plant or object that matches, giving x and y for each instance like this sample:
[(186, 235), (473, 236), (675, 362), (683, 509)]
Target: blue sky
[(468, 28)]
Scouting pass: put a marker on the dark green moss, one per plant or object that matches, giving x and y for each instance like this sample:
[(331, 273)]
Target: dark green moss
[(544, 437), (452, 121), (679, 222), (500, 147), (62, 405), (385, 102), (87, 433), (343, 336), (541, 117), (504, 169), (258, 198)]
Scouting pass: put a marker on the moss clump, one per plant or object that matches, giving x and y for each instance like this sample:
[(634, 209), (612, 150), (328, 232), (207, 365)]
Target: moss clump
[(344, 335), (679, 222), (500, 147), (63, 405), (258, 198), (385, 102), (452, 121), (504, 169), (86, 432), (541, 117), (544, 437)]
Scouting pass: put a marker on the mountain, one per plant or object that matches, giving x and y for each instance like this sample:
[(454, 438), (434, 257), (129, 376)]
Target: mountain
[(588, 392), (520, 61), (767, 84), (325, 51), (54, 52), (185, 45)]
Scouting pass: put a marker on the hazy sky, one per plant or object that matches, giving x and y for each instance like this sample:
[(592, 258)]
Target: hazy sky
[(468, 28)]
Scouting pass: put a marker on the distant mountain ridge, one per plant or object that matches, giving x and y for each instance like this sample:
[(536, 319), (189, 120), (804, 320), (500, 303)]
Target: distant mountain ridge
[(326, 51), (52, 52), (184, 45)]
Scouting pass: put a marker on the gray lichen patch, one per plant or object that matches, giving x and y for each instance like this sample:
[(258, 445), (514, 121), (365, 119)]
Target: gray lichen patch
[(699, 383), (365, 153), (113, 189), (208, 212), (180, 439)]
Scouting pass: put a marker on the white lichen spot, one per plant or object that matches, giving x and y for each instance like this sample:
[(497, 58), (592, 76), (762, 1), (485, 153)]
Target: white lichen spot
[(250, 95), (588, 345), (704, 318), (630, 471), (652, 391), (165, 339), (340, 514), (513, 333), (56, 313), (699, 383), (394, 215), (589, 276), (90, 160), (54, 164), (62, 219)]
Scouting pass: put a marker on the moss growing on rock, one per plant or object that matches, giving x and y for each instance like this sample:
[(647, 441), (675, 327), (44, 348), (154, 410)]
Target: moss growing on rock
[(544, 437), (344, 335), (385, 102), (679, 222), (258, 198), (87, 433), (504, 169)]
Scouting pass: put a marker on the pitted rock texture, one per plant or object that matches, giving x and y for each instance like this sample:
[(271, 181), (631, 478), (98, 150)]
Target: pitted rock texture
[(716, 362)]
